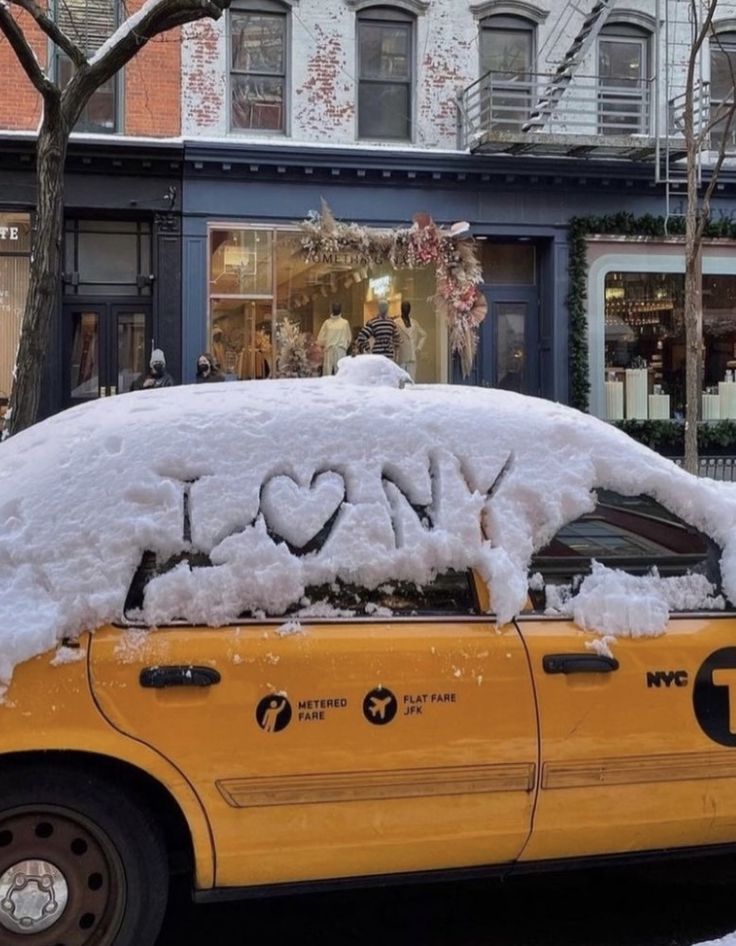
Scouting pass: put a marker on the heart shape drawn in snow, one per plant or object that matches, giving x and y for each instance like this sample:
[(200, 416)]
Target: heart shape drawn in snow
[(297, 513)]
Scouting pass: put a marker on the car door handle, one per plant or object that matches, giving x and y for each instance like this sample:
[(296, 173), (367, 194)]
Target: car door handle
[(185, 675), (578, 663)]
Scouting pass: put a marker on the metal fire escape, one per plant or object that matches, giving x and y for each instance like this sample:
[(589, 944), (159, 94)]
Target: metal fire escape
[(680, 19), (545, 106), (569, 113)]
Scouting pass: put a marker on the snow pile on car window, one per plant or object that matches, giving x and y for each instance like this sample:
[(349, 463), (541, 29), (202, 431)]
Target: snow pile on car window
[(252, 492), (613, 602)]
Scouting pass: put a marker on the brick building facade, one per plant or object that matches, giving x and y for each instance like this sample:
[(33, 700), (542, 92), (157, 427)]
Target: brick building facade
[(188, 174)]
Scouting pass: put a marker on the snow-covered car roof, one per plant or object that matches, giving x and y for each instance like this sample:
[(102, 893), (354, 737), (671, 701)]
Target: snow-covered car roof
[(284, 484)]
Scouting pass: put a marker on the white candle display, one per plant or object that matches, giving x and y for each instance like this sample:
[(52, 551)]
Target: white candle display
[(614, 400), (727, 395), (711, 407), (637, 381), (659, 406)]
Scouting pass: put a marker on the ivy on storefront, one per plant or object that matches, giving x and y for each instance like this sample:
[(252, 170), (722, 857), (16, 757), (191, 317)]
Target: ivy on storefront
[(621, 224)]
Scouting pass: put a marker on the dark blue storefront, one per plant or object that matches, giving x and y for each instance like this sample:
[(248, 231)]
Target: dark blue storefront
[(510, 202), (519, 209)]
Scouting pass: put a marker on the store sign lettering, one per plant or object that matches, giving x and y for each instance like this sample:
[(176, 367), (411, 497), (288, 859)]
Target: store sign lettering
[(9, 233), (340, 259)]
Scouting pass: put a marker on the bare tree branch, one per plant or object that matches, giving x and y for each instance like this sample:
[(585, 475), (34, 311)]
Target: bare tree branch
[(55, 34), (728, 115), (155, 17), (25, 54), (728, 119)]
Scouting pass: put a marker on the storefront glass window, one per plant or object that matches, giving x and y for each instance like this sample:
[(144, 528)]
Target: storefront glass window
[(15, 245), (645, 346), (258, 279)]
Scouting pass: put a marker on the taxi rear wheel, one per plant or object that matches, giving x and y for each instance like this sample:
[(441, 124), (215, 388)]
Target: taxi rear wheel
[(80, 863)]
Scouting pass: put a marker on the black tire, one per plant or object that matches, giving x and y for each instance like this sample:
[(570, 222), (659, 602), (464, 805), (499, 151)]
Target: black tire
[(107, 846)]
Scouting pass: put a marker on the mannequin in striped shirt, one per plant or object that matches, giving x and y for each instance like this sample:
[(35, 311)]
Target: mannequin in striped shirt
[(382, 330)]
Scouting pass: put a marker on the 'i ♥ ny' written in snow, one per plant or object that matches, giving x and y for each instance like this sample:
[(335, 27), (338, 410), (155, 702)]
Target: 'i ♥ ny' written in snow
[(360, 477), (341, 524)]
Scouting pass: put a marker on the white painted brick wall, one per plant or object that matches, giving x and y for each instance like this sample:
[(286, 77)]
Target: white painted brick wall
[(323, 67)]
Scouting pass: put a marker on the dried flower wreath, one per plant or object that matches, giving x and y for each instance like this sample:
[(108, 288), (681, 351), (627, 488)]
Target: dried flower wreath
[(451, 250)]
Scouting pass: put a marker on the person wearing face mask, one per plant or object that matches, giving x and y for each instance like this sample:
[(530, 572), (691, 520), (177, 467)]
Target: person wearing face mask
[(207, 370), (157, 375)]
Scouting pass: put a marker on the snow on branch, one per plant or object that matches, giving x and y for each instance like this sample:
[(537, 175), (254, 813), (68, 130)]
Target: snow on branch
[(52, 30), (154, 17)]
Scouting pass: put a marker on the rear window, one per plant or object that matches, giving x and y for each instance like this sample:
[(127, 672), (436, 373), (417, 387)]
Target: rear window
[(631, 533)]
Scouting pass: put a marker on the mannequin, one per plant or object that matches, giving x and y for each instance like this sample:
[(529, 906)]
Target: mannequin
[(411, 340), (380, 333), (334, 338)]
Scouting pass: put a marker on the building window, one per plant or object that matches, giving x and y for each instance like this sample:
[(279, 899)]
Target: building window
[(88, 23), (645, 346), (506, 64), (257, 281), (107, 257), (623, 83), (722, 72), (385, 65), (258, 60)]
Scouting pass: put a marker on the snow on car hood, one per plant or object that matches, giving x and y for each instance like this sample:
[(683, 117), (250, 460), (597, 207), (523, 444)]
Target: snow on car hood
[(361, 477)]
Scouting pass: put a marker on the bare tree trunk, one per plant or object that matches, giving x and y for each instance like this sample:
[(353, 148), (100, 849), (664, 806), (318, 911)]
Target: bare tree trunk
[(693, 348), (693, 310), (43, 286)]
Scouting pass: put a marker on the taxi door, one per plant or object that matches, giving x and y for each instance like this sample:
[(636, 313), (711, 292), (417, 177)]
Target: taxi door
[(336, 749), (638, 749)]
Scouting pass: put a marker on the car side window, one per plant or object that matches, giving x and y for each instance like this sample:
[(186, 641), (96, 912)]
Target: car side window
[(632, 533), (451, 593)]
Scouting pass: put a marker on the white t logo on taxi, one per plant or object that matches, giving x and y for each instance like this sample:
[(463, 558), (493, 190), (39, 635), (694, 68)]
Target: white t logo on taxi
[(727, 678)]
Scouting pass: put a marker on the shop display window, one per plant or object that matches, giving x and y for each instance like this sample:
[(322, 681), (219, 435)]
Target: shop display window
[(15, 246), (645, 346), (261, 283)]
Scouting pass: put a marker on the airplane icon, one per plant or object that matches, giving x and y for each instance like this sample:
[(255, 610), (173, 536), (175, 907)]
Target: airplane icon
[(378, 708)]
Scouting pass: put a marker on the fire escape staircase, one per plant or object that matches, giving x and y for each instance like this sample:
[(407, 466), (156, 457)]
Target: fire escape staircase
[(552, 93)]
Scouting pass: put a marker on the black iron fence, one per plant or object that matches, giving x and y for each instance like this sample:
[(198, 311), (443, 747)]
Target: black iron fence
[(717, 468)]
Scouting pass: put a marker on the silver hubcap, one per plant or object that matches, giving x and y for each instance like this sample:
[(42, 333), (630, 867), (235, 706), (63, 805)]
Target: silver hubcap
[(33, 896)]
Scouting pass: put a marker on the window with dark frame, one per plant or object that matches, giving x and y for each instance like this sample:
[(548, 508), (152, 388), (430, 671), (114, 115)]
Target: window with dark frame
[(507, 56), (258, 64), (107, 257), (722, 76), (89, 23), (623, 80), (385, 74)]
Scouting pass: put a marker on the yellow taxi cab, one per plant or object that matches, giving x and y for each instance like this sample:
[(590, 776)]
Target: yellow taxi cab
[(394, 714)]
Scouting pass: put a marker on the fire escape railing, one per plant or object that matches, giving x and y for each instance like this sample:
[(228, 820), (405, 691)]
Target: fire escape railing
[(506, 110)]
